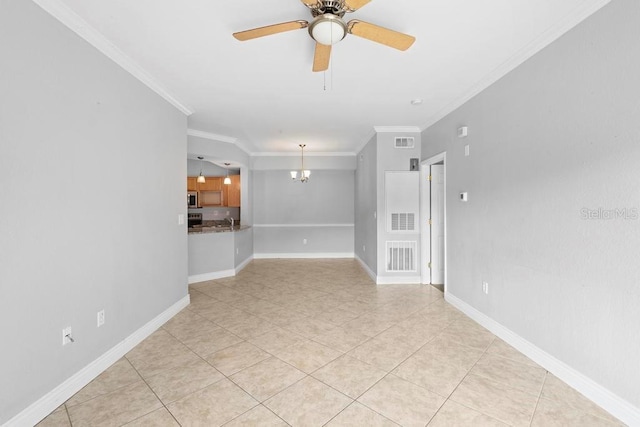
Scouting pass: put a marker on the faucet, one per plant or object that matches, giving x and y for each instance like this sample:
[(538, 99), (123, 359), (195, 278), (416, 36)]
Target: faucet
[(231, 220)]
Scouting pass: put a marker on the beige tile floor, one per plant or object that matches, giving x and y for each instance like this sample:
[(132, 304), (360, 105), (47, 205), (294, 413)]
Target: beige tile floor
[(315, 342)]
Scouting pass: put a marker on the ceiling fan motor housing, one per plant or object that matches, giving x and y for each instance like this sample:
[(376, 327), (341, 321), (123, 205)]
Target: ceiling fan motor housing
[(334, 7)]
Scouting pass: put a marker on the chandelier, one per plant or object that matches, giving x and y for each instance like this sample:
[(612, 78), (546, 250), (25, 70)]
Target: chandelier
[(304, 174)]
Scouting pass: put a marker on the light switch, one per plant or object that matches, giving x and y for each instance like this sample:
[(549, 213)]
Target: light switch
[(463, 197), (180, 219)]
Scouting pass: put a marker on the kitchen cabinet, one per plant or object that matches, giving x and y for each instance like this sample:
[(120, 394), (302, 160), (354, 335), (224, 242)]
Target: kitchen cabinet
[(213, 192), (212, 183), (192, 184), (233, 198), (210, 198)]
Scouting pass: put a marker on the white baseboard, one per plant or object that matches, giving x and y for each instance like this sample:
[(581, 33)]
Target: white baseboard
[(388, 280), (612, 403), (319, 255), (243, 264), (366, 268), (56, 397), (197, 278), (398, 280)]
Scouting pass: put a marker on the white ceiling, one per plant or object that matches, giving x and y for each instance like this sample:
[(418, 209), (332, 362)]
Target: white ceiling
[(262, 93)]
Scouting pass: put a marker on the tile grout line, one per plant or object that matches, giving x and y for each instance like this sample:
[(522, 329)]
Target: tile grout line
[(462, 380), (154, 393), (68, 415), (535, 409), (205, 361), (390, 372)]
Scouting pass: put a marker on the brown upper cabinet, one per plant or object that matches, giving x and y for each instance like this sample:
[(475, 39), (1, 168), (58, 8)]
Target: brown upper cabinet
[(192, 184), (233, 198), (212, 183), (230, 193)]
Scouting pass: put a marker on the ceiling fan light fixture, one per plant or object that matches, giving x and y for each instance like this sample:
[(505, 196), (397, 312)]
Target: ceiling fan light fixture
[(328, 29)]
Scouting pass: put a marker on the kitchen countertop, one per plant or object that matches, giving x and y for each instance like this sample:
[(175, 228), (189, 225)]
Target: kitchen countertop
[(217, 229)]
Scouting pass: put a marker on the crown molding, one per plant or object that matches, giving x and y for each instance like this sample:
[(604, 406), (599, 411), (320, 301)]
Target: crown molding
[(413, 129), (212, 136), (75, 23), (545, 39)]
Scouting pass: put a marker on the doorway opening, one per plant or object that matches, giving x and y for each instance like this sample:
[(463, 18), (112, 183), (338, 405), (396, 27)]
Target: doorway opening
[(433, 219)]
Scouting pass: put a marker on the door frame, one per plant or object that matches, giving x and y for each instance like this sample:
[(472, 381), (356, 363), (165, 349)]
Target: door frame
[(425, 214)]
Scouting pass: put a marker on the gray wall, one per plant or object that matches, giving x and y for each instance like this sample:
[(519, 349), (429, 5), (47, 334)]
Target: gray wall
[(390, 158), (216, 253), (74, 128), (557, 135), (326, 200), (211, 253), (243, 241), (366, 228)]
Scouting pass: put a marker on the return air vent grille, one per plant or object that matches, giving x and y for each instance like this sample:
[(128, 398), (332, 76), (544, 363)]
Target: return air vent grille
[(401, 256), (404, 142), (403, 222)]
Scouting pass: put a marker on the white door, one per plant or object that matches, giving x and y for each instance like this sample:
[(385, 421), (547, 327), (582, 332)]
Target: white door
[(437, 224)]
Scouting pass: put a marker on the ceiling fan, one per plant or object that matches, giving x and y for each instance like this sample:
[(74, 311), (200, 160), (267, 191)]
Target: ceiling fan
[(328, 28)]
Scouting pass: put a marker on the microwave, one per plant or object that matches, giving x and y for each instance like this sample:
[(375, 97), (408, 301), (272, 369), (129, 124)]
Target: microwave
[(192, 199)]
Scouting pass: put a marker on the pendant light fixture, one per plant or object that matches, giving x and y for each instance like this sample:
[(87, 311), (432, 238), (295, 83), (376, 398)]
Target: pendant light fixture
[(304, 174), (227, 180), (201, 179)]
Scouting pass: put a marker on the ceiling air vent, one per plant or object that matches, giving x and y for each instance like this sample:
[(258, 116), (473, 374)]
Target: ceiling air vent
[(404, 142)]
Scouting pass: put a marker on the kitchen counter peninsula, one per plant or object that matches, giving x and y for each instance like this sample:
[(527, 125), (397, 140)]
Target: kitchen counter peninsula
[(217, 252), (217, 229)]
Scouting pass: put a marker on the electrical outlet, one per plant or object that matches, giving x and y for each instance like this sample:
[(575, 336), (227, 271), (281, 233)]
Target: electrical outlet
[(237, 251), (466, 150), (100, 318), (485, 288), (304, 241), (66, 336), (180, 219), (364, 248), (227, 213)]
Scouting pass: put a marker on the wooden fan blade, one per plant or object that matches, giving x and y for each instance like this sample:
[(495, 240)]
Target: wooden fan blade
[(353, 5), (379, 34), (270, 29), (309, 3), (321, 57)]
